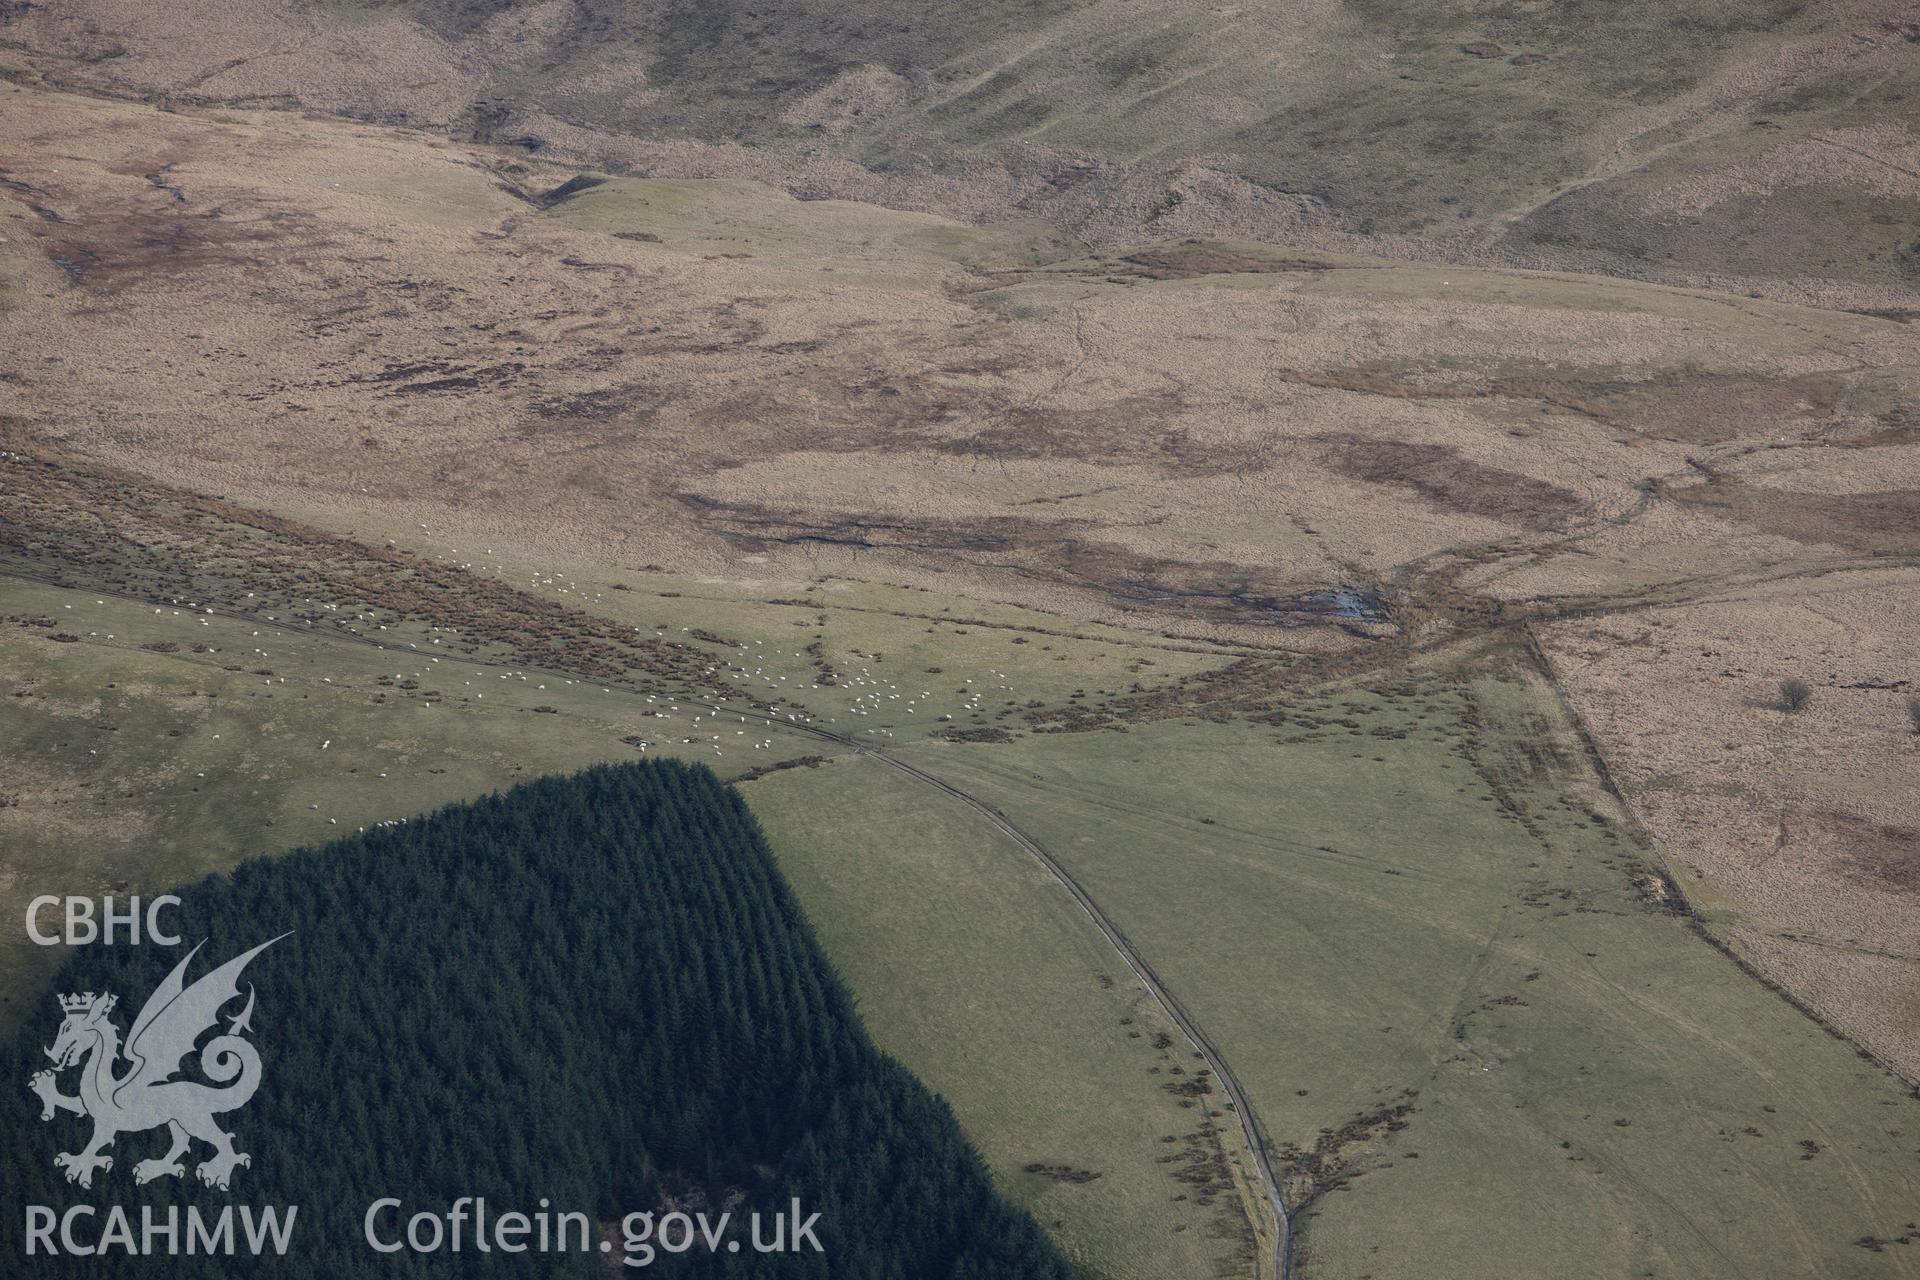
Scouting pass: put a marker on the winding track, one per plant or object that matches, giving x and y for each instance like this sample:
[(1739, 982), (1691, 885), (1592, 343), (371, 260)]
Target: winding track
[(1249, 1121), (1250, 1126), (1250, 1129)]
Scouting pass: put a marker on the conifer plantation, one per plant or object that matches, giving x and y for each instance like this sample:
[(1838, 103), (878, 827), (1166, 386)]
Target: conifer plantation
[(595, 990)]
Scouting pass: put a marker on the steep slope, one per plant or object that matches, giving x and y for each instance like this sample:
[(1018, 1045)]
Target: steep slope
[(1767, 144)]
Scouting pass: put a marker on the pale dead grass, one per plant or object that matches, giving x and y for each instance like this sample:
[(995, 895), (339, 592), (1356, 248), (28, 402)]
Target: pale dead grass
[(715, 378), (851, 99), (1830, 159), (363, 318), (1830, 471), (1800, 832)]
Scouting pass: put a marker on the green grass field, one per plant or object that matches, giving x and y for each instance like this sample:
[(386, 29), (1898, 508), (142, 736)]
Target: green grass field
[(982, 975), (1408, 924), (145, 767), (1405, 913), (140, 769)]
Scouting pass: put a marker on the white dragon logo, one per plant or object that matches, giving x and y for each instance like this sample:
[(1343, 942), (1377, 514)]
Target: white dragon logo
[(146, 1096)]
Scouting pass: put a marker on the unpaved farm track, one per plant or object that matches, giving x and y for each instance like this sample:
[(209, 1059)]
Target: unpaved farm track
[(1249, 1121), (1250, 1125)]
